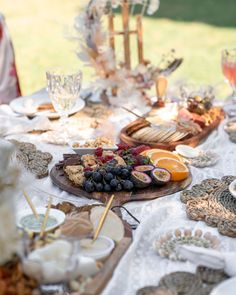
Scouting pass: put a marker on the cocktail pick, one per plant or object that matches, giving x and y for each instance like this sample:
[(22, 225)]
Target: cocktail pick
[(43, 227), (133, 113), (103, 218), (28, 199)]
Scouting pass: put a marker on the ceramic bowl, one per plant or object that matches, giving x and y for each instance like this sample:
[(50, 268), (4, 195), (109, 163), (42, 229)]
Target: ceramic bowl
[(232, 188), (187, 151), (101, 253), (88, 150), (57, 214)]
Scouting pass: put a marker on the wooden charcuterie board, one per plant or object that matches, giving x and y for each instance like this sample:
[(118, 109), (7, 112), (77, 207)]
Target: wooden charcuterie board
[(60, 179), (191, 141)]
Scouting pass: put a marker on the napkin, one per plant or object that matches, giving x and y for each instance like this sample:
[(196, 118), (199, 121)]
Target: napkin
[(11, 123), (210, 258)]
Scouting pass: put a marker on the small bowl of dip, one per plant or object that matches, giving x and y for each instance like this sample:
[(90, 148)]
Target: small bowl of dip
[(25, 219), (99, 249)]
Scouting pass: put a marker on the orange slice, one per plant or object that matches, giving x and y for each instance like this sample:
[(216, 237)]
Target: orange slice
[(148, 153), (177, 169), (163, 154)]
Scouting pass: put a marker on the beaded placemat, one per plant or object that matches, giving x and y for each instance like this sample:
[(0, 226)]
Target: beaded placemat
[(185, 283), (167, 244), (212, 202)]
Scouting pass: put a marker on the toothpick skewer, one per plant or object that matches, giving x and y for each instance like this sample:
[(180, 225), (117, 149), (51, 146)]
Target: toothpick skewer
[(28, 199), (43, 227), (103, 218), (133, 113)]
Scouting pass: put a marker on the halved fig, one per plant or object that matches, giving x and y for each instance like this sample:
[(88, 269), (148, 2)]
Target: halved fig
[(144, 168), (160, 176), (140, 179)]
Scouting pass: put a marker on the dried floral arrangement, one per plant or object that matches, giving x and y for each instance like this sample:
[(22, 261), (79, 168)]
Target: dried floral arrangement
[(9, 178), (115, 82)]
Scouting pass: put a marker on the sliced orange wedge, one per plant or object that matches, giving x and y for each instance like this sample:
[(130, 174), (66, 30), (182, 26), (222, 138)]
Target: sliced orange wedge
[(148, 153), (177, 169), (163, 154)]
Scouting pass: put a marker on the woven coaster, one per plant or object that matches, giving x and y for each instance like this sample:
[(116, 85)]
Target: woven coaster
[(217, 207), (32, 159)]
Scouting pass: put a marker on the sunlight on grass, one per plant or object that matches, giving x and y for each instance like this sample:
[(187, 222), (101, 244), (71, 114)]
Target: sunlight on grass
[(39, 29)]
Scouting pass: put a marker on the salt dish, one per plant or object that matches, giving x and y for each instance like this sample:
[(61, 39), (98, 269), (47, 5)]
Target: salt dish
[(232, 188), (227, 287), (187, 151), (99, 249)]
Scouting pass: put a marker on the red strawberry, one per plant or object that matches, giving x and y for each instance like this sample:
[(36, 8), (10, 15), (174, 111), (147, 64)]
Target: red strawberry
[(109, 158), (98, 152), (123, 146)]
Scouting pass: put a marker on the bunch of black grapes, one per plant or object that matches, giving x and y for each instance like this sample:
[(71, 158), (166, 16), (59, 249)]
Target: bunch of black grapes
[(109, 178)]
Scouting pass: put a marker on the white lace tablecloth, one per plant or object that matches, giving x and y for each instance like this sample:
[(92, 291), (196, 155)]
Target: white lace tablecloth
[(141, 266)]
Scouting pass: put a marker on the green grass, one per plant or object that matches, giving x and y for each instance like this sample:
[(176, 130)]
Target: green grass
[(198, 30)]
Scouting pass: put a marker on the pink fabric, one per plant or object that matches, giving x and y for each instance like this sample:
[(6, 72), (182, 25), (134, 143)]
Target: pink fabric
[(9, 83)]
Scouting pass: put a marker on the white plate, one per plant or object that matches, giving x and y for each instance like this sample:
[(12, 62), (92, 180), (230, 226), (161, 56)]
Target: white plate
[(228, 287), (232, 188), (187, 151), (84, 151), (57, 214), (27, 105)]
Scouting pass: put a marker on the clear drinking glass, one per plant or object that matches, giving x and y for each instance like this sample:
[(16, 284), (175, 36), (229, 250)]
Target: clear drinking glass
[(228, 61), (63, 86), (52, 275)]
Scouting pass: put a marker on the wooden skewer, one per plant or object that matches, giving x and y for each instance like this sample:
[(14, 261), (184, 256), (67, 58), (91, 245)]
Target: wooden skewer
[(133, 113), (43, 227), (102, 220), (28, 199)]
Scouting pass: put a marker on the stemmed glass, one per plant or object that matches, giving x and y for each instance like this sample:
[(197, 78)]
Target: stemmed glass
[(46, 271), (63, 86), (229, 70)]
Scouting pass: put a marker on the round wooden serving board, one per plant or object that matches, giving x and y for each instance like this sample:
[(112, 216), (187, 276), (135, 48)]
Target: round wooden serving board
[(153, 192)]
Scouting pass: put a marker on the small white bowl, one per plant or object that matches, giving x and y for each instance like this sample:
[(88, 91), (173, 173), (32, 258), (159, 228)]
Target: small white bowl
[(57, 214), (98, 253), (187, 151), (232, 188), (88, 150), (227, 287)]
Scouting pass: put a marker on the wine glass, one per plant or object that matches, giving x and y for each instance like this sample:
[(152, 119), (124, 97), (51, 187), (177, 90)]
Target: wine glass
[(52, 272), (229, 70), (63, 86)]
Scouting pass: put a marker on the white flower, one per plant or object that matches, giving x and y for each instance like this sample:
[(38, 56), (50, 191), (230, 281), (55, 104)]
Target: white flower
[(153, 6), (115, 3)]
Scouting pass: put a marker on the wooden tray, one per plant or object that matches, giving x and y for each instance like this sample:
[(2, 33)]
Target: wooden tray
[(60, 179), (192, 141), (100, 280)]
